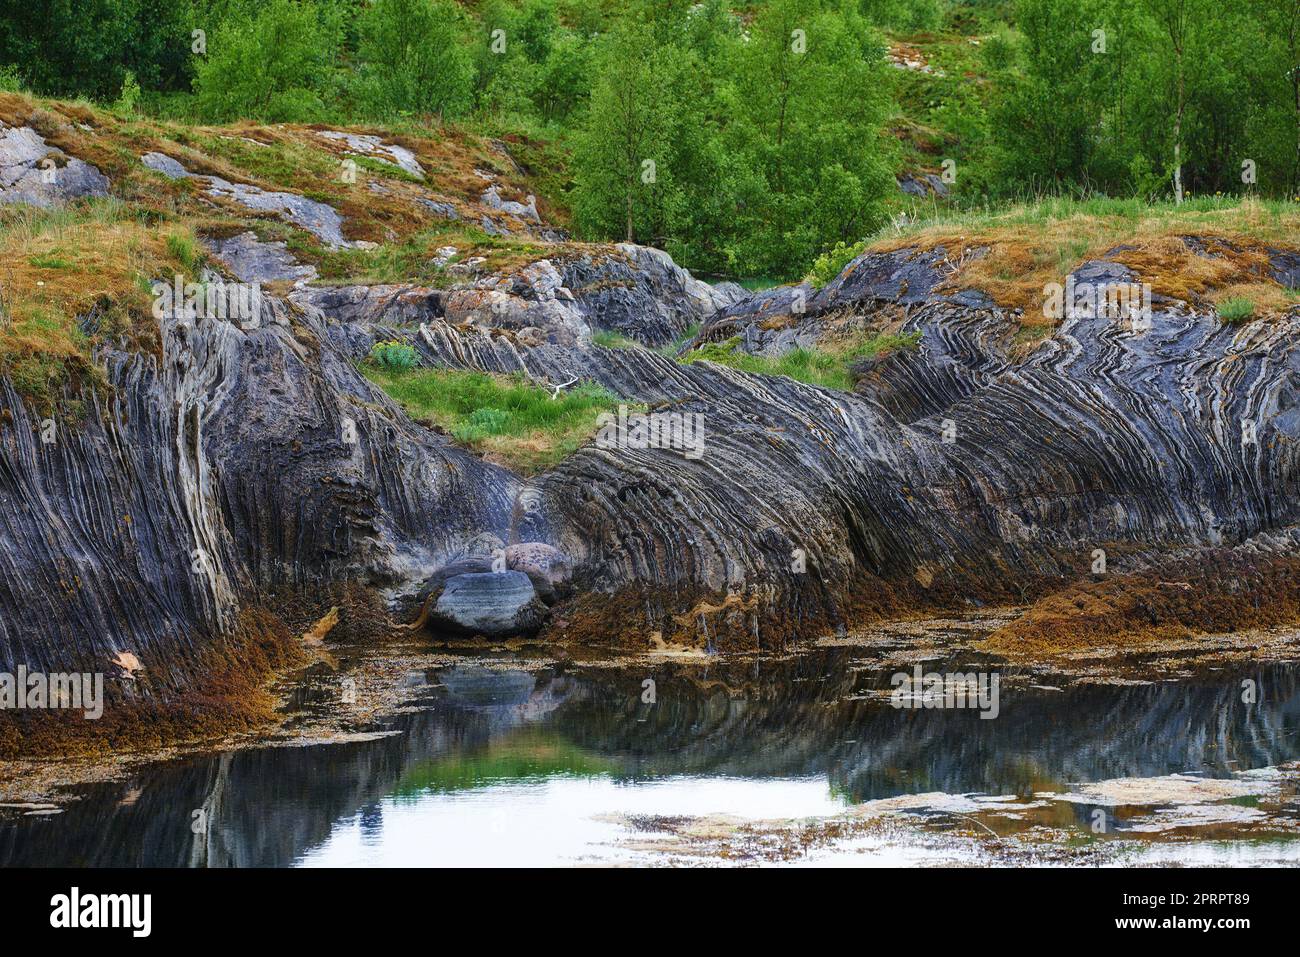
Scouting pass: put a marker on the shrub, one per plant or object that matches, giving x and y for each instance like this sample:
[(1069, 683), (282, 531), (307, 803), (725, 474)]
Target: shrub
[(393, 356), (11, 81), (831, 263), (268, 66), (414, 58), (1236, 310), (129, 96)]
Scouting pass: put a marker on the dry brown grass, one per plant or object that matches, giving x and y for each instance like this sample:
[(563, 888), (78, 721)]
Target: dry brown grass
[(58, 266), (1012, 255), (55, 266), (1211, 593)]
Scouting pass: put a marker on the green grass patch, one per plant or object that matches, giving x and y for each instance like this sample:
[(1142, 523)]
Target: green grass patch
[(830, 367), (608, 339), (507, 418), (1236, 310), (384, 168)]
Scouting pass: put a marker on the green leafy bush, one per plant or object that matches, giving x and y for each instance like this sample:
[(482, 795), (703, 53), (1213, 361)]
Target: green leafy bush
[(393, 356), (831, 263), (1236, 310), (270, 64), (414, 58)]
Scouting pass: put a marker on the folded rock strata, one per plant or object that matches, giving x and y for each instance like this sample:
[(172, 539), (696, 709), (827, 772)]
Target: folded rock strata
[(246, 460)]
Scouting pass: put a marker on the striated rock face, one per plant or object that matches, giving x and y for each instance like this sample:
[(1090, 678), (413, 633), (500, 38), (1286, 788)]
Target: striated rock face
[(643, 294), (250, 259), (955, 472), (247, 460)]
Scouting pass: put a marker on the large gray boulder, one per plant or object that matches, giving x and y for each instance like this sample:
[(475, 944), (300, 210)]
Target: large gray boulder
[(495, 604)]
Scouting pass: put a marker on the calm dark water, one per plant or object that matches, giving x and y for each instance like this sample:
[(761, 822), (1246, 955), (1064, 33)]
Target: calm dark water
[(502, 765)]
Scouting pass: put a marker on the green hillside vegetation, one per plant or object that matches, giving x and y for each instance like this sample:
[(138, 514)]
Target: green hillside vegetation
[(745, 139)]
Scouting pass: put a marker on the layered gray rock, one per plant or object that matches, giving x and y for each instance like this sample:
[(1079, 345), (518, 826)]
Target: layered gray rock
[(362, 144), (254, 459), (493, 604), (250, 259), (320, 219), (34, 173)]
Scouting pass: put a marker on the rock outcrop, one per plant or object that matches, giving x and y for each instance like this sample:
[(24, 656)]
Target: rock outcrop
[(37, 174), (320, 219), (242, 462), (493, 604)]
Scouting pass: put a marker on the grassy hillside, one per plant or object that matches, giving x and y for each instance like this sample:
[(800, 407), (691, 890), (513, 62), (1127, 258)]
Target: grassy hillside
[(777, 132)]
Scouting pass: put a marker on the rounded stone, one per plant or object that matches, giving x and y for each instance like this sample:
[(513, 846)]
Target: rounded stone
[(495, 604)]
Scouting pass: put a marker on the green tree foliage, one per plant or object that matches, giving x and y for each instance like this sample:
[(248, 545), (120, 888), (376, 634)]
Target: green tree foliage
[(621, 171), (270, 64), (86, 47), (1152, 97), (741, 155), (811, 95), (415, 58)]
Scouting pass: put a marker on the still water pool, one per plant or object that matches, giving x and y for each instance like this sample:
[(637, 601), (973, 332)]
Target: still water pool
[(791, 760)]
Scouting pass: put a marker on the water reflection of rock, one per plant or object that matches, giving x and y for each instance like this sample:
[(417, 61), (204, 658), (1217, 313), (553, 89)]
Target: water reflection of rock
[(265, 807), (813, 715)]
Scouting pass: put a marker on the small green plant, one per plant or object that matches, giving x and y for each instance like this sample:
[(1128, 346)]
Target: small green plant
[(830, 367), (181, 246), (481, 424), (1236, 310), (393, 356), (11, 81), (831, 263), (608, 339), (128, 97)]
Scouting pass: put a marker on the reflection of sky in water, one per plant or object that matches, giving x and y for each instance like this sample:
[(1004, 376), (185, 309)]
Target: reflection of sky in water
[(557, 821), (544, 766)]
